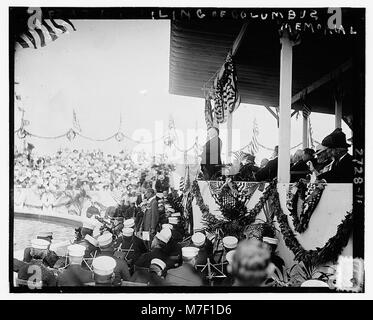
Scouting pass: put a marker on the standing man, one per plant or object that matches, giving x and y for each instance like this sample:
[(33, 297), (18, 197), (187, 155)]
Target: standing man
[(211, 158), (151, 217)]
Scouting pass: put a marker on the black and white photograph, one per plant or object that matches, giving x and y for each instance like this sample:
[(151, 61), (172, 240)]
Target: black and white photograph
[(186, 149)]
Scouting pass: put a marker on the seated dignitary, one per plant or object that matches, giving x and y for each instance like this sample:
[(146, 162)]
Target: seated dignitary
[(251, 264), (341, 169), (186, 274), (36, 271), (103, 271), (51, 258), (121, 271), (154, 276), (74, 275), (248, 169), (158, 250), (300, 169)]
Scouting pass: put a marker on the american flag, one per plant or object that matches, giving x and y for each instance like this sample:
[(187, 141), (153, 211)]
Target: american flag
[(46, 31), (218, 104), (229, 79), (254, 144), (208, 114)]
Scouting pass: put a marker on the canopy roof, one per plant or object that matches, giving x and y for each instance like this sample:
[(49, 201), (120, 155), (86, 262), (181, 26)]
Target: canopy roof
[(320, 62)]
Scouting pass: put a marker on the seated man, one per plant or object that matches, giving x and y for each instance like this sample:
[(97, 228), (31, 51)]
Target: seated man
[(268, 172), (51, 257), (186, 274), (121, 271), (154, 276), (300, 169), (248, 169), (341, 169), (158, 250), (36, 271), (211, 154), (74, 275)]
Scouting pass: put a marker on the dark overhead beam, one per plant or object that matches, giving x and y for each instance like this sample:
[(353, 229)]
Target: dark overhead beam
[(323, 80)]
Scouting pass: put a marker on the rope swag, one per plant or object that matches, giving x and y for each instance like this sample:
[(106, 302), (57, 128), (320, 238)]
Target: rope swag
[(329, 252), (310, 194)]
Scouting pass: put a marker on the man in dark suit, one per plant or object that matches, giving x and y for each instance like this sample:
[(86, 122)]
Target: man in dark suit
[(151, 217), (341, 169), (300, 168), (74, 275), (211, 158)]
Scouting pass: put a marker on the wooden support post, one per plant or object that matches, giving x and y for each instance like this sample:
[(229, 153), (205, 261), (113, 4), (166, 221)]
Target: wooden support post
[(229, 138), (305, 132), (338, 111), (286, 61)]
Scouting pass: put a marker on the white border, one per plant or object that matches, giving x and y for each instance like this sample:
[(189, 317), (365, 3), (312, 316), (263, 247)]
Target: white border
[(4, 147)]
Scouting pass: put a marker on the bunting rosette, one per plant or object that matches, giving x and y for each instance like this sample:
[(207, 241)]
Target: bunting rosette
[(71, 134)]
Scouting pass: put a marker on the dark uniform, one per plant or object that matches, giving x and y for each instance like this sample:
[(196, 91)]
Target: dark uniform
[(132, 247), (184, 275), (268, 172), (173, 251), (121, 270), (211, 158), (74, 276), (144, 260), (341, 171), (150, 278), (90, 249), (30, 271), (50, 259)]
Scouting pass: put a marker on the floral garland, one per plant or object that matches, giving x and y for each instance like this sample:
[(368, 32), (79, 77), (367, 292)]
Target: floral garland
[(329, 252), (233, 223), (310, 194)]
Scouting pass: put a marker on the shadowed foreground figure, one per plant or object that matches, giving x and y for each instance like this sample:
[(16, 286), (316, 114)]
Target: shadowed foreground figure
[(251, 264)]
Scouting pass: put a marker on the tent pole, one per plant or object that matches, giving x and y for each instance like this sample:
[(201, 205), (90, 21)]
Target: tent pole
[(305, 131), (286, 59)]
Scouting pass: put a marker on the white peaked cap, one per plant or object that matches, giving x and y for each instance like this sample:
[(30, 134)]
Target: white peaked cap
[(189, 252), (198, 239), (129, 223), (164, 235), (229, 256), (173, 220), (159, 263), (167, 225), (176, 214), (76, 250), (230, 242), (127, 232), (270, 240), (40, 244), (105, 239), (314, 283), (103, 265)]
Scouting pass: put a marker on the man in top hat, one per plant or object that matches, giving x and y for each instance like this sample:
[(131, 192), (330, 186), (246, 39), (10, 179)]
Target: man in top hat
[(341, 170), (211, 154), (158, 250), (106, 245), (104, 271), (36, 270), (51, 257), (186, 274), (151, 217), (74, 275), (154, 276)]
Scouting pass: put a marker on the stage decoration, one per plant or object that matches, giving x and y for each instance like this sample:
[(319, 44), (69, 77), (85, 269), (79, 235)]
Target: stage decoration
[(39, 31), (310, 194), (71, 134), (119, 136), (21, 133), (329, 252), (236, 216)]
